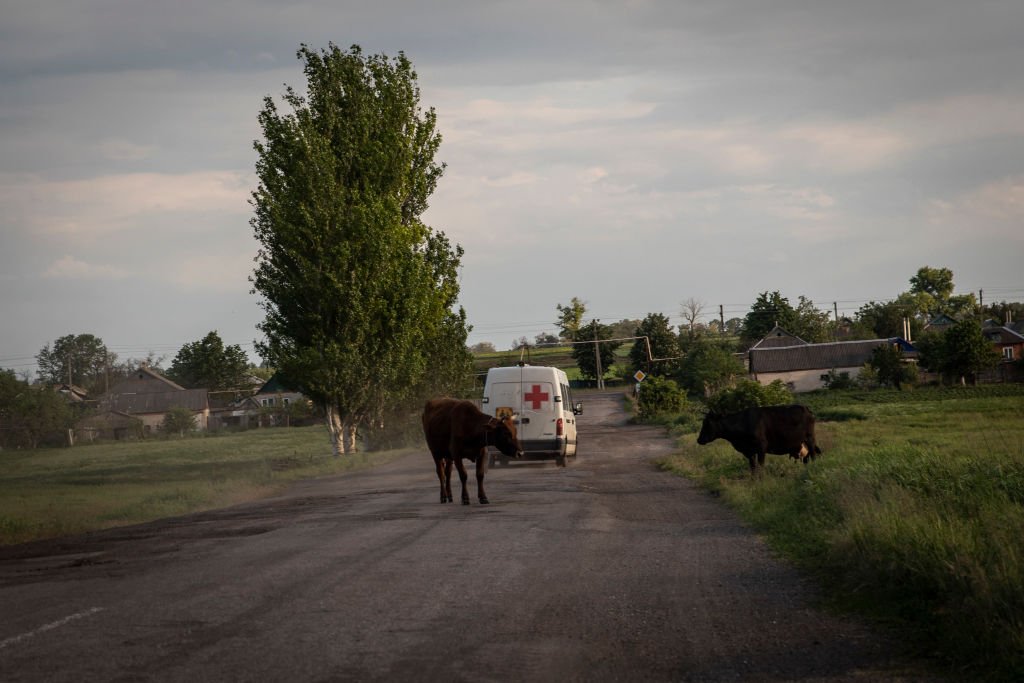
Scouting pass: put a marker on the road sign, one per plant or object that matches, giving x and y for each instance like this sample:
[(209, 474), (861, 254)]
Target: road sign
[(639, 376)]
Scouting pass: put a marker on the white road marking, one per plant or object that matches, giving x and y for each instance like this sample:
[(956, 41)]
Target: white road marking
[(49, 627)]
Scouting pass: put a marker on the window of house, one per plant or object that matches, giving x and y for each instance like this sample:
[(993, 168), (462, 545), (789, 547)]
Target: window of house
[(1008, 352)]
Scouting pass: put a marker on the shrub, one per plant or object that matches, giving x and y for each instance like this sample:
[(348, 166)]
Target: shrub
[(839, 381), (659, 396), (178, 420), (747, 393)]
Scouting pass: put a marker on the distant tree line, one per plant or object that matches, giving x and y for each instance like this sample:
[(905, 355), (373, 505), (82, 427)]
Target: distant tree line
[(704, 357)]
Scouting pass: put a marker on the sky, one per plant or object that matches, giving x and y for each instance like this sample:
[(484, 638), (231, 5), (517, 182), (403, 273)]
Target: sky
[(633, 154)]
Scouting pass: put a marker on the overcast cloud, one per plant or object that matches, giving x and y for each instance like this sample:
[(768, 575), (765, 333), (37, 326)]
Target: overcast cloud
[(634, 154)]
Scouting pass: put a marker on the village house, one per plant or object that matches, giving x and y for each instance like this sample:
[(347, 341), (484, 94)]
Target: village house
[(802, 366), (1008, 340), (271, 405), (147, 396)]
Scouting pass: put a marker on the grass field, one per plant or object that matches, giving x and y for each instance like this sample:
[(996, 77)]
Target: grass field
[(914, 515), (55, 492)]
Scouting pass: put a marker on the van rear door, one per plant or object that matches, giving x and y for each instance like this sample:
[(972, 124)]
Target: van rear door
[(506, 398), (538, 415)]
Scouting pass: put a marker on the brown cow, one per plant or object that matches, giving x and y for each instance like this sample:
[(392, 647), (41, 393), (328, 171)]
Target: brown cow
[(458, 429)]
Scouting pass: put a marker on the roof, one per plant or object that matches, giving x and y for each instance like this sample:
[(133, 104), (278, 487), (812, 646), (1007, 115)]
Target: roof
[(153, 402), (72, 392), (778, 337), (1003, 335), (145, 381), (844, 354), (940, 320), (275, 385)]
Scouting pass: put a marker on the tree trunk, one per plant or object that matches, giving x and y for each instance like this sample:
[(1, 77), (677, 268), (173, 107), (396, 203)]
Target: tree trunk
[(350, 436), (334, 429)]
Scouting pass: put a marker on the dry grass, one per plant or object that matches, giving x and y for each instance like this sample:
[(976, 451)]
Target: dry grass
[(55, 492)]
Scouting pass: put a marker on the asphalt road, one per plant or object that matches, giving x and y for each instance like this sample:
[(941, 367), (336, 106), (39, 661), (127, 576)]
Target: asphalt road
[(604, 570)]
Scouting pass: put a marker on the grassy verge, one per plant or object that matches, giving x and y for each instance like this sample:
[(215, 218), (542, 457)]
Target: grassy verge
[(55, 492), (914, 515)]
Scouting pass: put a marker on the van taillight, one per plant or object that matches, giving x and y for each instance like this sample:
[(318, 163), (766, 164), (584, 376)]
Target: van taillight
[(559, 427)]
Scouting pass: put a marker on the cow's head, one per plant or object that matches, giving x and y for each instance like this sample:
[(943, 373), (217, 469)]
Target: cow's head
[(709, 429), (504, 437)]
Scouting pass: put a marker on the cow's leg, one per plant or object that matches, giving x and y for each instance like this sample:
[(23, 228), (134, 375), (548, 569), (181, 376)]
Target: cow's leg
[(463, 476), (439, 464), (448, 480), (481, 470)]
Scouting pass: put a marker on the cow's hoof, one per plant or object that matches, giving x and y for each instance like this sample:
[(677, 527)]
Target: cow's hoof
[(484, 501)]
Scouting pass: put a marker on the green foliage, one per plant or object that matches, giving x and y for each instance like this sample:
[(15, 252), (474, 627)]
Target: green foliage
[(960, 352), (81, 360), (359, 293), (891, 369), (767, 311), (31, 416), (208, 364), (885, 320), (747, 393), (933, 288), (839, 381), (659, 396), (708, 367), (812, 325), (771, 309), (663, 344), (931, 293), (178, 421), (570, 318), (1003, 310), (586, 359)]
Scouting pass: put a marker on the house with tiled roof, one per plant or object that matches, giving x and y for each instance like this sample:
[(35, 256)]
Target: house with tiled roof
[(148, 396), (1008, 340), (805, 367)]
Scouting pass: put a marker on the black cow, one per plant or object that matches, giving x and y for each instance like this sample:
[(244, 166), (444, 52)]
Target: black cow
[(457, 429), (771, 429)]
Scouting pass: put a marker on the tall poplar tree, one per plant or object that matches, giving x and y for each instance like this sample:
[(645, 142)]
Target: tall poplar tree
[(358, 291)]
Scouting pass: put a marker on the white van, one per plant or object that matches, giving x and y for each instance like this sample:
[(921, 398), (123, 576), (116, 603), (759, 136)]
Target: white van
[(541, 399)]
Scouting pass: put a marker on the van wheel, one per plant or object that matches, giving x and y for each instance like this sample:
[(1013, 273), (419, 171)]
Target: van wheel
[(560, 460), (504, 461)]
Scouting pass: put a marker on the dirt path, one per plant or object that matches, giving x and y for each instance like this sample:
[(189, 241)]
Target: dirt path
[(605, 570)]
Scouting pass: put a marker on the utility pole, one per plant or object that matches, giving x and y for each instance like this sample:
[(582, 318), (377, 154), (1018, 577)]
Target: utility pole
[(721, 319), (835, 310), (597, 357)]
